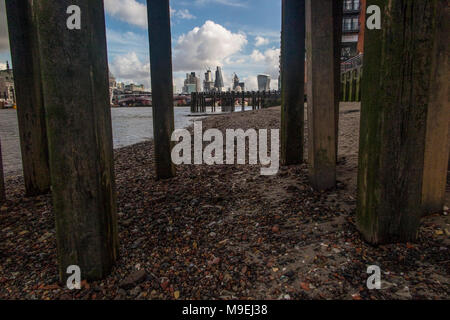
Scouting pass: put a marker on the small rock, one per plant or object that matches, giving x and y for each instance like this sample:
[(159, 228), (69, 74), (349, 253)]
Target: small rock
[(404, 293), (136, 291), (133, 279)]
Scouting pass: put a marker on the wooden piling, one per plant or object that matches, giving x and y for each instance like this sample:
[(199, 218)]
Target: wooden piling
[(75, 82), (162, 85), (321, 94), (29, 97), (438, 121), (2, 178), (292, 79), (401, 62), (192, 103)]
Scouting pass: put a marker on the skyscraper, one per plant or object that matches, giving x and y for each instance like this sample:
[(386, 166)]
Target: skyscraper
[(235, 82), (192, 83), (218, 85), (208, 84), (263, 82)]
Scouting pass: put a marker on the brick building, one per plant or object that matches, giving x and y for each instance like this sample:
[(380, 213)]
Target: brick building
[(353, 28)]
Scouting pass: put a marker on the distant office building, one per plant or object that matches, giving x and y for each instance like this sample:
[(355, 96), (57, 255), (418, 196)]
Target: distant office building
[(237, 85), (263, 82), (208, 84), (353, 28), (218, 85), (235, 82), (112, 87), (134, 87), (191, 83)]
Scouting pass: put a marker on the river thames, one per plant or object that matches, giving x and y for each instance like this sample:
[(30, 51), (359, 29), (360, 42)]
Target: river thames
[(130, 126)]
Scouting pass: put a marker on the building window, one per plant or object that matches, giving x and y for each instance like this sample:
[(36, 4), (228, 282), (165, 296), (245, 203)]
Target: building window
[(355, 24), (348, 5), (347, 26), (355, 4)]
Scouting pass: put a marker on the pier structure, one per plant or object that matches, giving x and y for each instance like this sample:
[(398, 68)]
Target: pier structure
[(201, 102), (404, 115)]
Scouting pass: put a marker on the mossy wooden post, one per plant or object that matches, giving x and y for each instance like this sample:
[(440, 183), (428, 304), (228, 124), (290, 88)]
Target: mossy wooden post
[(292, 81), (2, 178), (351, 93), (29, 98), (358, 85), (400, 66), (438, 120), (321, 93), (75, 81), (162, 85)]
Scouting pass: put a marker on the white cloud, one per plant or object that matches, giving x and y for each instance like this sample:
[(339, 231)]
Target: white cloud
[(209, 45), (130, 11), (125, 42), (130, 69), (135, 13), (184, 14), (257, 56), (251, 83), (271, 59), (260, 41)]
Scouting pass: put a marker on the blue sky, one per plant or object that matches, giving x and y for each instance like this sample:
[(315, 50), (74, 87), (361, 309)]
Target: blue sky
[(241, 36)]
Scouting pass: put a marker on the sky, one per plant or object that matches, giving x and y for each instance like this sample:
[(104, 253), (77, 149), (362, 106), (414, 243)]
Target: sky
[(241, 36)]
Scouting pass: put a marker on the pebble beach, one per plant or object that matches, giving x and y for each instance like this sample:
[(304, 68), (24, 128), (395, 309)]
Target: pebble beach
[(226, 232)]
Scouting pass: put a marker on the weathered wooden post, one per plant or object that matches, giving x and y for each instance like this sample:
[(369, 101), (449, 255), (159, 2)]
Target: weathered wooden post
[(321, 93), (358, 85), (203, 102), (293, 81), (29, 98), (2, 178), (192, 103), (438, 119), (75, 82), (403, 93), (162, 85)]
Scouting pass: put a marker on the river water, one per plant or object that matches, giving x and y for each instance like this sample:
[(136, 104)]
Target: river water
[(130, 126)]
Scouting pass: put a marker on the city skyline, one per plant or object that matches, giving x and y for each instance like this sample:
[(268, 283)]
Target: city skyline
[(204, 33), (224, 33)]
